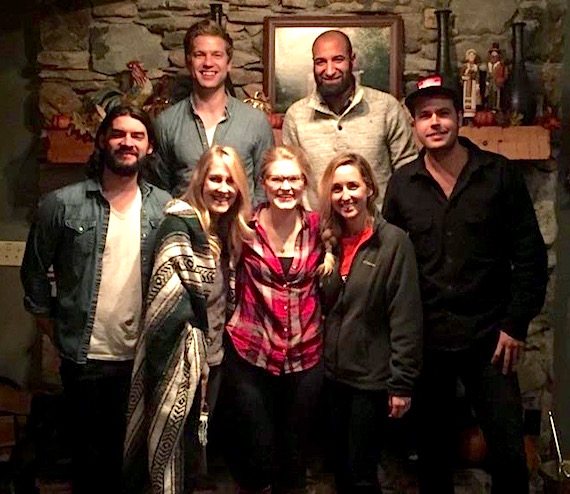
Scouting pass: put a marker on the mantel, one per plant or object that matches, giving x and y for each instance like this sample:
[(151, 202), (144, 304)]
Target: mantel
[(63, 147), (516, 143)]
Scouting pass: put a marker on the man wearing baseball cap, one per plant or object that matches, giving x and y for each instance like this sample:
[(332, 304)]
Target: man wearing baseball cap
[(483, 274)]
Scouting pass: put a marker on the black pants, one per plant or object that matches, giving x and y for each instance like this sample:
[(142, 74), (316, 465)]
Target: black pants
[(193, 454), (270, 422), (358, 420), (496, 401), (96, 395)]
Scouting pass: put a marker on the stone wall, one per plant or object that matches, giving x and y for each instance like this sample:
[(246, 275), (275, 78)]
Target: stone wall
[(83, 49)]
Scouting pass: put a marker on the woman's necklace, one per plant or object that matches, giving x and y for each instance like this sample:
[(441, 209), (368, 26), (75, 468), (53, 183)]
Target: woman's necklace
[(282, 242)]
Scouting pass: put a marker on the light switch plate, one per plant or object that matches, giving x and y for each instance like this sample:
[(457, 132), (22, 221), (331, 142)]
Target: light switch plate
[(11, 253)]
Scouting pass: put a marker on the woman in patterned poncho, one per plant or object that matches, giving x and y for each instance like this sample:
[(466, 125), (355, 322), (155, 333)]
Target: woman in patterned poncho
[(197, 242)]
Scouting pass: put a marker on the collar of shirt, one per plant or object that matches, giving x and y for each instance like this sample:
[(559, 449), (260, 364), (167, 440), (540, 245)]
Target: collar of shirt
[(476, 159), (94, 186), (317, 102), (227, 110), (253, 223)]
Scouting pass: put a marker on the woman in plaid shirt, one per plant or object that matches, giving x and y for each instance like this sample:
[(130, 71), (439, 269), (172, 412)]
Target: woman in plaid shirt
[(273, 359)]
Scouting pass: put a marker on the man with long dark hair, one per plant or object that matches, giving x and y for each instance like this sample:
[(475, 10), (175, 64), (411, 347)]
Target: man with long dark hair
[(98, 236)]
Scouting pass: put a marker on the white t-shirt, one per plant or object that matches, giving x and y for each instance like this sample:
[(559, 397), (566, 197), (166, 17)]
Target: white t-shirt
[(119, 304)]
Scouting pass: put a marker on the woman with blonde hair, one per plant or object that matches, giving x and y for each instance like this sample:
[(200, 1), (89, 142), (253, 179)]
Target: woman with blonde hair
[(372, 309), (273, 355), (197, 244)]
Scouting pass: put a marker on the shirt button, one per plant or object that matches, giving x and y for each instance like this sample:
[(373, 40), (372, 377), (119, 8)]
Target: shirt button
[(448, 233), (144, 258), (144, 235), (284, 352), (285, 329), (285, 307), (448, 259), (80, 229)]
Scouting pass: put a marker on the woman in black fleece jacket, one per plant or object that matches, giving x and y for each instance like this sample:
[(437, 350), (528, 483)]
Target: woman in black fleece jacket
[(373, 320)]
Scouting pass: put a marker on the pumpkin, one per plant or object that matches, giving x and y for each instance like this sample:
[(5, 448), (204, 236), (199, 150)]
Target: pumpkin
[(485, 118), (61, 121), (472, 445)]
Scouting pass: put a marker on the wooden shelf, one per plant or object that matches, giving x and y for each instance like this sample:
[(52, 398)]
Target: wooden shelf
[(62, 147), (516, 143)]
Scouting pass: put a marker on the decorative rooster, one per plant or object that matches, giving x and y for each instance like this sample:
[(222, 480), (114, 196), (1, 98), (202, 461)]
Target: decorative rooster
[(135, 89), (141, 87)]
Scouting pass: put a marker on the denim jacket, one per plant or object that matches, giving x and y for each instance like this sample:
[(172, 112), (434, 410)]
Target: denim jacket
[(69, 233)]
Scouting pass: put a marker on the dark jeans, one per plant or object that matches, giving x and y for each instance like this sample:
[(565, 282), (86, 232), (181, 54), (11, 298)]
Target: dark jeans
[(96, 395), (496, 401), (214, 384), (193, 451), (195, 459), (270, 421), (358, 421)]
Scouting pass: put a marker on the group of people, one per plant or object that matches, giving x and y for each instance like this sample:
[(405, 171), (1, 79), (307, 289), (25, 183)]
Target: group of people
[(163, 304)]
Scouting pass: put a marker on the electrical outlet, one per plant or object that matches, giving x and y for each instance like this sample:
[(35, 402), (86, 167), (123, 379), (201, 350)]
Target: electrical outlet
[(11, 253)]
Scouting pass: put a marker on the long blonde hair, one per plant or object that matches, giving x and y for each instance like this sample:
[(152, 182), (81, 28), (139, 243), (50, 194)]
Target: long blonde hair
[(240, 212), (290, 153), (331, 222)]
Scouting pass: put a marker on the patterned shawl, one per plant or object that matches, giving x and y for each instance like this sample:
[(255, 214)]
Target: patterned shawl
[(170, 354)]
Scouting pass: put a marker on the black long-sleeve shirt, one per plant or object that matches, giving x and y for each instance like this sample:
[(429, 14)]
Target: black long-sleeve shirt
[(481, 256)]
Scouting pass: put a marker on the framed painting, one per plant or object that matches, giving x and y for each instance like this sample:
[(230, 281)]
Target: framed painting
[(377, 42)]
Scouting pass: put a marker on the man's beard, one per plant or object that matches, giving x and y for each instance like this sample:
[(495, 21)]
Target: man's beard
[(122, 169), (329, 90)]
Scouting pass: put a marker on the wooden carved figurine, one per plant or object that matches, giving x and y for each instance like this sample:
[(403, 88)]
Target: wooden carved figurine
[(470, 81), (496, 77)]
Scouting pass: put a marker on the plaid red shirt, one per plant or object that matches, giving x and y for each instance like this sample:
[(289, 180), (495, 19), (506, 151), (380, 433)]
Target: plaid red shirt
[(277, 321)]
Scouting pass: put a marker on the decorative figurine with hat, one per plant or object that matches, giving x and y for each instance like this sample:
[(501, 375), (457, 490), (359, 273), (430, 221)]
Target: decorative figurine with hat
[(496, 77), (470, 82)]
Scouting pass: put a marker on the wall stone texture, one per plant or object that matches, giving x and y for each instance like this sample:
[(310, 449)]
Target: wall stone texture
[(109, 34), (86, 49)]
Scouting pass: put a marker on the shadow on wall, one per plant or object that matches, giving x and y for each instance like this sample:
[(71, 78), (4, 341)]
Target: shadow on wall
[(21, 179), (19, 45), (20, 149)]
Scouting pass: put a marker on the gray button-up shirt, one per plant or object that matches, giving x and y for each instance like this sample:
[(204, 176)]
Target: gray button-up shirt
[(182, 141)]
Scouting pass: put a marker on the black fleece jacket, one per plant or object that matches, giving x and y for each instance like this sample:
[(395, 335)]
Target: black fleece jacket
[(373, 320)]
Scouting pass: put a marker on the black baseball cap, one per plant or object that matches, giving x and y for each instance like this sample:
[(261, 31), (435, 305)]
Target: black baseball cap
[(434, 85)]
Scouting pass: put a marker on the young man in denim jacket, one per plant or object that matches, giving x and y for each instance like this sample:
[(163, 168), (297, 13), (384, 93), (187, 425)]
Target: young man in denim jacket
[(98, 237)]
